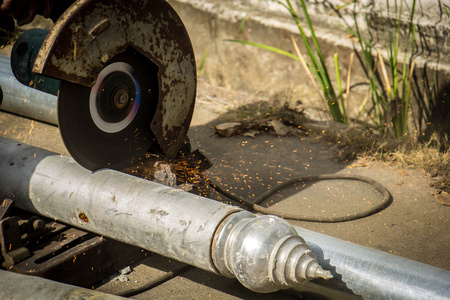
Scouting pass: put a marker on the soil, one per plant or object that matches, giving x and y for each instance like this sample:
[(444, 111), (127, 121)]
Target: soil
[(440, 178), (349, 143)]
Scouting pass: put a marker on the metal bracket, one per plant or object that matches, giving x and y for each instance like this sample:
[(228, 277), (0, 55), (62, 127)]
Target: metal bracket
[(11, 245)]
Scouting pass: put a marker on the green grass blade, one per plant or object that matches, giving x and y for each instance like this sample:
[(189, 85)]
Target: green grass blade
[(345, 5), (339, 82), (202, 62), (317, 62), (266, 47), (322, 64), (405, 109), (241, 27)]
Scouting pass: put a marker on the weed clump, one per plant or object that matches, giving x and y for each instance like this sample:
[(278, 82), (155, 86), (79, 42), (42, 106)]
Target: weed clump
[(367, 145)]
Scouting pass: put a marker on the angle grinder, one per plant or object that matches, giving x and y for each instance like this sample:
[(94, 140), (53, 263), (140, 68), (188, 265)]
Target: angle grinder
[(125, 76)]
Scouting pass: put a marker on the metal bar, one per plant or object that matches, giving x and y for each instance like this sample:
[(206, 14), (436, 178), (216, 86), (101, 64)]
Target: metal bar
[(18, 286), (199, 231), (22, 100)]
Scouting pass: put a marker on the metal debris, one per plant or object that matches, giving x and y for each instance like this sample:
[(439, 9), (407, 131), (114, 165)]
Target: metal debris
[(125, 271)]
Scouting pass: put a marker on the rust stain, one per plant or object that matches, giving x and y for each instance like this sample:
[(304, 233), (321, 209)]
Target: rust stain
[(83, 217)]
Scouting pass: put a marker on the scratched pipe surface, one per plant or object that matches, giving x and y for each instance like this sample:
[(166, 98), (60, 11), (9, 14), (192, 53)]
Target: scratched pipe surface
[(183, 226), (18, 286), (22, 100), (375, 274)]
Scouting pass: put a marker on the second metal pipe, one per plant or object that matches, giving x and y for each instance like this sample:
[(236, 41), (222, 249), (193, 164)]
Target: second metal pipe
[(22, 100)]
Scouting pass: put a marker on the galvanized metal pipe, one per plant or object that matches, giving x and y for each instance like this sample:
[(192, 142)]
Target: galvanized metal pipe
[(158, 218), (201, 232), (22, 100), (375, 274), (24, 287)]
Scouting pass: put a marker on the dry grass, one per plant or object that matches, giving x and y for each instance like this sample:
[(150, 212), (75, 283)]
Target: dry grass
[(433, 157), (366, 146)]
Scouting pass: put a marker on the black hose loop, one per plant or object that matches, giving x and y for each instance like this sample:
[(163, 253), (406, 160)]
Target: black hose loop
[(254, 206)]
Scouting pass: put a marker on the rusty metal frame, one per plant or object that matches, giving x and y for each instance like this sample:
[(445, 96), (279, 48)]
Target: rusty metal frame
[(91, 32)]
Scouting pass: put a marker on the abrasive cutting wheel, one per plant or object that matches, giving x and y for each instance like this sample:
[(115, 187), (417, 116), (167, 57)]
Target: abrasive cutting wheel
[(108, 125)]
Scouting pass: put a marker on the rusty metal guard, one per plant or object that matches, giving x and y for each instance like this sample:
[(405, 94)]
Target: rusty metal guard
[(92, 32)]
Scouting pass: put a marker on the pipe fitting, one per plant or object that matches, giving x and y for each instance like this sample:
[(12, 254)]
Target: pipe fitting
[(264, 253)]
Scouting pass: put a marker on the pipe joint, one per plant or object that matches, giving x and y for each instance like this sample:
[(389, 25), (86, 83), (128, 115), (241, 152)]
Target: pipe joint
[(264, 253)]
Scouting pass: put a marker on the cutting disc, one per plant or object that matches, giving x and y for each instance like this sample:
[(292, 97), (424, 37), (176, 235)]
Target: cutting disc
[(108, 125)]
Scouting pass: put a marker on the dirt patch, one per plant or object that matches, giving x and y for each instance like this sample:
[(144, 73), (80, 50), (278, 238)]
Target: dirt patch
[(347, 143), (440, 178)]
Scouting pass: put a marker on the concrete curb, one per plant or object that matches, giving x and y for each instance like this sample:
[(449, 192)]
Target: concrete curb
[(273, 76)]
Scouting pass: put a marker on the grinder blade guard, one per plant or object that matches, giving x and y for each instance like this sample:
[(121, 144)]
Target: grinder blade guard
[(126, 76)]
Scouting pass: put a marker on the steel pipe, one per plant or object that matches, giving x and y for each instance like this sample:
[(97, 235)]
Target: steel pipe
[(23, 287), (167, 236), (22, 100), (375, 274), (170, 222)]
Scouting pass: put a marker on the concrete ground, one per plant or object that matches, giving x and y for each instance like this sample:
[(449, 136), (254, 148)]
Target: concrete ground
[(415, 226)]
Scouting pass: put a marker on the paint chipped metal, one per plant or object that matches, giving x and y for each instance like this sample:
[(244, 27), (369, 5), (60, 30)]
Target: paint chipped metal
[(90, 33)]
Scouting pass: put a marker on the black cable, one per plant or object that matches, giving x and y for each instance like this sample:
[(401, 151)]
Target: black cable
[(385, 202)]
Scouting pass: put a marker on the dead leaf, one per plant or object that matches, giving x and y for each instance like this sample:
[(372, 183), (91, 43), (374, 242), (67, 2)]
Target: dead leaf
[(279, 127), (228, 129), (443, 198), (251, 133)]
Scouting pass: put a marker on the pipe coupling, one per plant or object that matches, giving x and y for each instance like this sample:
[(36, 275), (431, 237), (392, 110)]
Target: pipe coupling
[(264, 253)]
